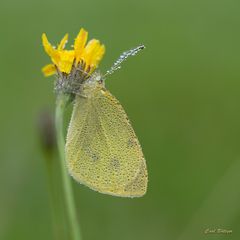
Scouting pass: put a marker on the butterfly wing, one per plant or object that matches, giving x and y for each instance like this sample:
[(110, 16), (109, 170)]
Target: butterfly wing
[(102, 150)]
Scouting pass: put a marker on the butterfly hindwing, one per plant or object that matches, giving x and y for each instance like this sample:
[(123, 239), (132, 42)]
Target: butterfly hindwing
[(102, 150)]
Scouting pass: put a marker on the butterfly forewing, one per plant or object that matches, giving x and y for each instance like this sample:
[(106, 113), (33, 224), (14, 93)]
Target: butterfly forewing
[(102, 150)]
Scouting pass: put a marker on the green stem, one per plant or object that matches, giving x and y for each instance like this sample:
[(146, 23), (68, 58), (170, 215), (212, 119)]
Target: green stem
[(62, 101), (57, 228)]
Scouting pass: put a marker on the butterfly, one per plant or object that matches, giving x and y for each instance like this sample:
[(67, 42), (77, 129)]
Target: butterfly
[(102, 149)]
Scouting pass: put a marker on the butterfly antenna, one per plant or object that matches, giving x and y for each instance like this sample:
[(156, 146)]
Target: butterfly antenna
[(122, 58)]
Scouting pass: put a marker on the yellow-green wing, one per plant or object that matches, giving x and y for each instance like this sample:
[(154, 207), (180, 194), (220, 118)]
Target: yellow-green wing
[(102, 150)]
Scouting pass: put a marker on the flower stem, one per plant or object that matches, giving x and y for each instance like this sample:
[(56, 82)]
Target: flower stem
[(62, 101), (56, 212)]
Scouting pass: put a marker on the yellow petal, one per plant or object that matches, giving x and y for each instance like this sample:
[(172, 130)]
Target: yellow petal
[(89, 51), (97, 56), (53, 53), (80, 43), (63, 42), (49, 70), (63, 59), (66, 61)]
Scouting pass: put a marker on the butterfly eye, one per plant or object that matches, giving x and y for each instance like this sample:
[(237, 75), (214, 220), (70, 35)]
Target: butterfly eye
[(100, 81)]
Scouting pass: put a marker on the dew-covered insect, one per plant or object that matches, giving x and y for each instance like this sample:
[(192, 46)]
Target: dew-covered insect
[(102, 150)]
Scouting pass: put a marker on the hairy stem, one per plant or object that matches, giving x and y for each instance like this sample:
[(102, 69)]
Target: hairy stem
[(74, 228)]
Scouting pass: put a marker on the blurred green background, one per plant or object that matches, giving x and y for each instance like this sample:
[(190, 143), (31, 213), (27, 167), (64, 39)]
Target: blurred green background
[(182, 94)]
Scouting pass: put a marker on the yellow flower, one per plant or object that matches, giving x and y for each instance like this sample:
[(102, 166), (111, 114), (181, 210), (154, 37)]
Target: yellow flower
[(64, 60)]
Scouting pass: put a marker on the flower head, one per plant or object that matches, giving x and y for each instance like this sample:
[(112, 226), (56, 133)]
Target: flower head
[(84, 56)]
